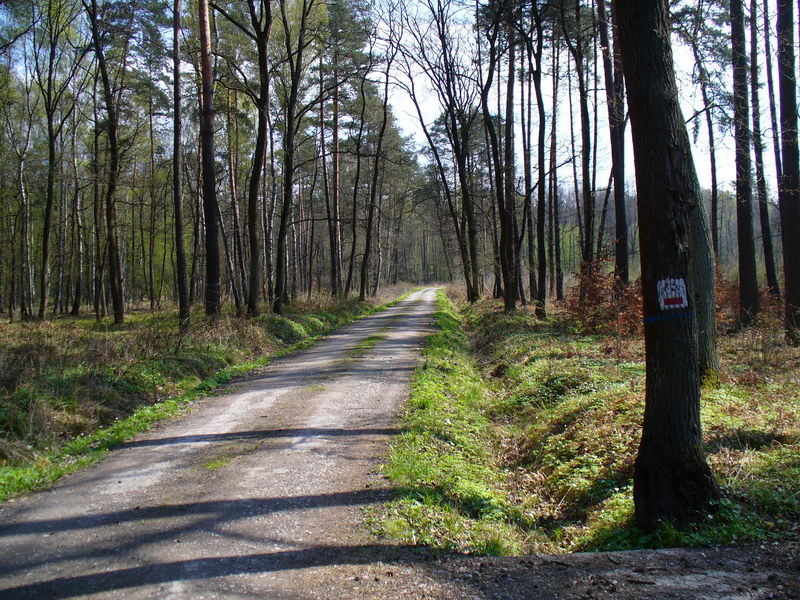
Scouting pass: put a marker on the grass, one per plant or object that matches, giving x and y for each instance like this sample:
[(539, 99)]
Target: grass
[(72, 388), (451, 485), (521, 437), (224, 458), (367, 344)]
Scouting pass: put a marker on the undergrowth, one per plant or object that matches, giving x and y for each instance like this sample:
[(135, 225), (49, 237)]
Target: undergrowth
[(545, 420), (72, 388)]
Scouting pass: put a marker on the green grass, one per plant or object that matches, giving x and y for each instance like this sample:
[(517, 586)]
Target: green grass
[(368, 343), (521, 437), (224, 458), (451, 485), (72, 389)]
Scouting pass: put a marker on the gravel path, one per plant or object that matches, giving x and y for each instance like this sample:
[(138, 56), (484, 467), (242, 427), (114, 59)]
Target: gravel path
[(259, 492), (240, 497)]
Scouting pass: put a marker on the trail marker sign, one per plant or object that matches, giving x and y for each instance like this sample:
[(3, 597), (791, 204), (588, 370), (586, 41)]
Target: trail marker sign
[(672, 294)]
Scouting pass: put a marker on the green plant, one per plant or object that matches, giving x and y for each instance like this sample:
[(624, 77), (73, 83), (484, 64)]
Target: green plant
[(94, 385), (535, 426)]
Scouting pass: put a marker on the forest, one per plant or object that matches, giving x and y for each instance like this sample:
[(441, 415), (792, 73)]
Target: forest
[(222, 163), (247, 154)]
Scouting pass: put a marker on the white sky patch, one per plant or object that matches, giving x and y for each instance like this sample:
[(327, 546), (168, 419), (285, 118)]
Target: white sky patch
[(691, 103)]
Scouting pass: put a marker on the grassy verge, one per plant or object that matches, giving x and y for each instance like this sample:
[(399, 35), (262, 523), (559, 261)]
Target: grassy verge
[(451, 485), (72, 389), (522, 435)]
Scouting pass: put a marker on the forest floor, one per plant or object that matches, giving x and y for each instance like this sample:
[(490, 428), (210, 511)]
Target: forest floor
[(261, 491)]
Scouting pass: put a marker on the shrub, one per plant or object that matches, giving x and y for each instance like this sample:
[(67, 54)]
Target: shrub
[(598, 304)]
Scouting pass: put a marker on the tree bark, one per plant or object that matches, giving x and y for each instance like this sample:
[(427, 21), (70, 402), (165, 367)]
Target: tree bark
[(262, 26), (758, 153), (210, 204), (671, 478), (789, 190), (177, 182), (748, 284)]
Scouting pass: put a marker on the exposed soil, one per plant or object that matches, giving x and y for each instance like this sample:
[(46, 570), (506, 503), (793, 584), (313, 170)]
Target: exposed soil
[(697, 574), (259, 491)]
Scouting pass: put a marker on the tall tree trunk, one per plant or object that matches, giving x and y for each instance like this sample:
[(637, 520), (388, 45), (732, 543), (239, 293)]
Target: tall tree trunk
[(748, 285), (576, 48), (177, 183), (229, 259), (262, 26), (373, 200), (295, 58), (541, 287), (112, 125), (573, 154), (77, 210), (210, 204), (44, 273), (526, 127), (712, 156), (99, 251), (773, 113), (509, 171), (25, 266), (336, 246), (671, 478), (758, 152), (616, 120), (234, 254), (356, 183), (505, 219), (326, 187), (789, 191), (269, 212), (554, 202), (151, 284)]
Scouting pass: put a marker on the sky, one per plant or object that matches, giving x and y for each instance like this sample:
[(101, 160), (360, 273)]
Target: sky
[(691, 103)]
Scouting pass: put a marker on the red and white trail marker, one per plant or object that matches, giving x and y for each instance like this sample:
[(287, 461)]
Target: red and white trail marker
[(672, 294)]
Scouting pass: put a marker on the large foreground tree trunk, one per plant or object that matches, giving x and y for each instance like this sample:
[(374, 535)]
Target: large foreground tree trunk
[(671, 478)]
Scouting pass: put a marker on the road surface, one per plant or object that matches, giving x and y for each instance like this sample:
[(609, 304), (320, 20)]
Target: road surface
[(240, 497), (260, 491)]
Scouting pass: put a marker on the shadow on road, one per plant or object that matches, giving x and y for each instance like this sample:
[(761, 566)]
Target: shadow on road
[(207, 568), (221, 510), (236, 436)]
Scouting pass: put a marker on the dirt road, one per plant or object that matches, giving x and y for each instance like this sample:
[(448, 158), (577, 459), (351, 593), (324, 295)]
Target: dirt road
[(252, 487), (259, 493)]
